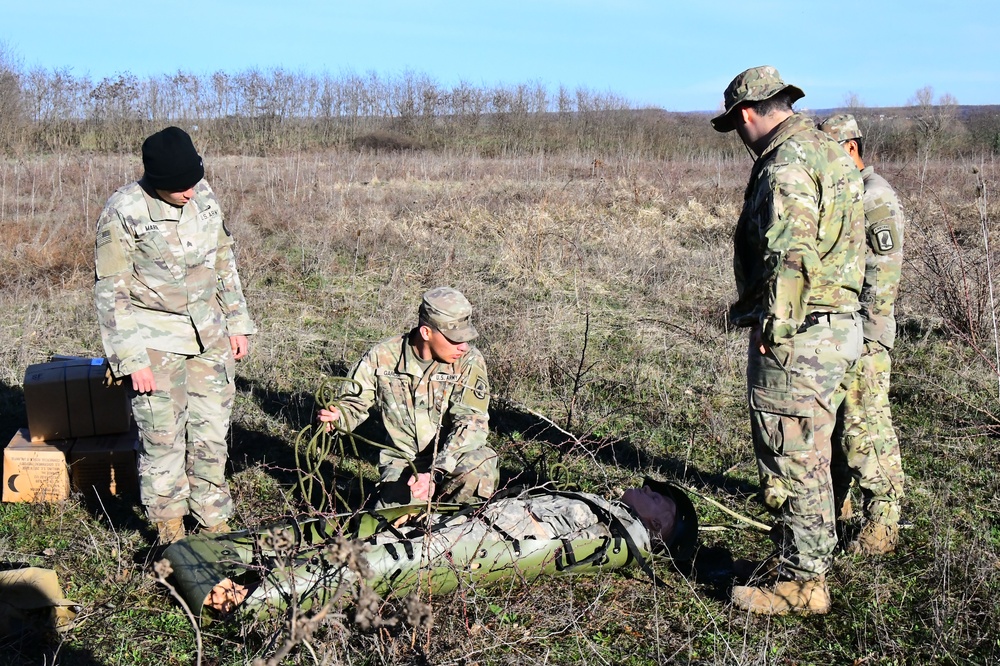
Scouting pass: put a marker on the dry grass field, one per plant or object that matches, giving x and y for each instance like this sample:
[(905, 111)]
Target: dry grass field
[(600, 289)]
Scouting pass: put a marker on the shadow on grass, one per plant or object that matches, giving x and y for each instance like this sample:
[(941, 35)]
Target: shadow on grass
[(513, 425), (12, 412)]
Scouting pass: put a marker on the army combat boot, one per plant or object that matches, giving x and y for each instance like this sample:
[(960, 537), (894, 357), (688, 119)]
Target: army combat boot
[(846, 510), (791, 596), (875, 539), (170, 530), (218, 528)]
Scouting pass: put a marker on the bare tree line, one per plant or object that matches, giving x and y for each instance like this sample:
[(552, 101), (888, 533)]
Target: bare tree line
[(272, 111)]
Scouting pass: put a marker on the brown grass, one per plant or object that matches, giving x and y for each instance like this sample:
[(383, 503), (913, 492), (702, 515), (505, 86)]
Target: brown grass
[(629, 261)]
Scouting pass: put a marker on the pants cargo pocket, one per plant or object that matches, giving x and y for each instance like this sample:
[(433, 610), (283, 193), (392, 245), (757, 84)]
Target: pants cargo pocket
[(782, 423)]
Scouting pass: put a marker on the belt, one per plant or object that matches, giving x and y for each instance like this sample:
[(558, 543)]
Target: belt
[(814, 318)]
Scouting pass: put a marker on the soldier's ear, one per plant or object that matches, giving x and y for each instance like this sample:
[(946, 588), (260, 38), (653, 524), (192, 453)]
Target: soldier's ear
[(425, 332), (745, 114)]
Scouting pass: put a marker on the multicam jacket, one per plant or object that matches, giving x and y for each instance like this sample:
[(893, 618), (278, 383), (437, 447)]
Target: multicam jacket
[(165, 277), (444, 405), (884, 223), (799, 243)]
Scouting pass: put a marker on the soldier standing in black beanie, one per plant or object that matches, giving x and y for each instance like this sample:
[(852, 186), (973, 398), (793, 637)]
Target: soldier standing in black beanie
[(173, 318)]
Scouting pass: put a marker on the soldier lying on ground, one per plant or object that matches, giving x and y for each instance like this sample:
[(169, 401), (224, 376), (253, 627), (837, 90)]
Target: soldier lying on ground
[(517, 537)]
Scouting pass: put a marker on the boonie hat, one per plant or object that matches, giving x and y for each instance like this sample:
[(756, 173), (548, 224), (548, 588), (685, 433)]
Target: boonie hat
[(170, 161), (841, 127), (754, 85), (448, 311)]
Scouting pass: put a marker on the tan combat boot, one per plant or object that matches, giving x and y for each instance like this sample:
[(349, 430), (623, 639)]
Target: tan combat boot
[(846, 510), (218, 528), (170, 530), (875, 539), (793, 596)]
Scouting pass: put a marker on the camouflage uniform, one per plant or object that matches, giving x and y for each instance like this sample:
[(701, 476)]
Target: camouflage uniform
[(868, 447), (538, 532), (436, 416), (798, 259), (168, 297)]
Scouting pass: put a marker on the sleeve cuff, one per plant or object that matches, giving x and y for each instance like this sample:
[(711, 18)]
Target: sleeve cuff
[(130, 364), (240, 325)]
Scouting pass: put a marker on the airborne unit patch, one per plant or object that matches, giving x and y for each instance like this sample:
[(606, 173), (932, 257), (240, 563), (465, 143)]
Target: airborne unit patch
[(882, 238)]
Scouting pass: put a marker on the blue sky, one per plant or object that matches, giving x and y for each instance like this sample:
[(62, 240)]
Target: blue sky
[(675, 55)]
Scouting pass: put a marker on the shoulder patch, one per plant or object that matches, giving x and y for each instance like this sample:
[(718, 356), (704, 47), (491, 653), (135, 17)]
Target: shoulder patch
[(476, 393), (883, 238), (103, 237), (481, 390), (109, 256)]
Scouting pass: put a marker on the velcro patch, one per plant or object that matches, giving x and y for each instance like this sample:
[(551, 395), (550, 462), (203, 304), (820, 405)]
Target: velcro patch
[(146, 227), (444, 377), (878, 213), (477, 393), (883, 238), (103, 237)]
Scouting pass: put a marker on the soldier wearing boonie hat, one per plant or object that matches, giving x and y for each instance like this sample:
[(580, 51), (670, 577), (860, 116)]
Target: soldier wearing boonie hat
[(754, 85), (173, 318), (798, 259), (431, 388), (867, 446)]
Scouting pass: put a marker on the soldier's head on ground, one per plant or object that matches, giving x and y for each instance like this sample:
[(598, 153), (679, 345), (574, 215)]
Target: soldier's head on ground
[(843, 128), (756, 101), (171, 165), (668, 514), (445, 325)]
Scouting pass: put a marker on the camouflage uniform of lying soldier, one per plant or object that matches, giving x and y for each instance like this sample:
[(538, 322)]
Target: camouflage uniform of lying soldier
[(431, 390), (538, 532)]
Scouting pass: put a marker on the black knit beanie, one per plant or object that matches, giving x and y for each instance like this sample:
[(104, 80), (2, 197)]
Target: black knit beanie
[(170, 161)]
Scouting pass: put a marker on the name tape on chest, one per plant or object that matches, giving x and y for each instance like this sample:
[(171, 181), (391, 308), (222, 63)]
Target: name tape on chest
[(208, 214), (386, 372), (142, 228)]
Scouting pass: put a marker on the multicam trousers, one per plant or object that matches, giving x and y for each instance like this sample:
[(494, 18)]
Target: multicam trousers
[(183, 427), (794, 392), (476, 474), (865, 446)]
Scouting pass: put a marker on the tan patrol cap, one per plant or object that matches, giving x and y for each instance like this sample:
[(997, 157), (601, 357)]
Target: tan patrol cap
[(448, 311), (754, 85), (842, 127)]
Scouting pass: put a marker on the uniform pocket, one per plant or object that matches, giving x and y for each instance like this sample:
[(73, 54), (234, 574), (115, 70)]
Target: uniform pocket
[(783, 421), (784, 418)]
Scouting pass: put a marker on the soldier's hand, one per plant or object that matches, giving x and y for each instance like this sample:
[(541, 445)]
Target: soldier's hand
[(757, 340), (240, 345), (328, 416), (143, 381), (421, 486)]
